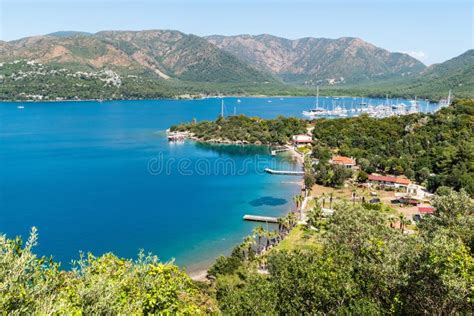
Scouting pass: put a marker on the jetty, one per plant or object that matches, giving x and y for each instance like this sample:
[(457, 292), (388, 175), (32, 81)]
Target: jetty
[(279, 149), (256, 218), (285, 172)]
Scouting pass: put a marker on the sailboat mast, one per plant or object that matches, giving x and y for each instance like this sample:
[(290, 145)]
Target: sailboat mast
[(222, 108), (317, 96)]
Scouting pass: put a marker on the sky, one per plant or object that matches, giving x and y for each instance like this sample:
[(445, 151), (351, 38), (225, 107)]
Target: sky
[(432, 31)]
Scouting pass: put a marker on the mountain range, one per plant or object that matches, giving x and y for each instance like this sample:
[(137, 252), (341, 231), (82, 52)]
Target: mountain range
[(318, 60), (166, 62)]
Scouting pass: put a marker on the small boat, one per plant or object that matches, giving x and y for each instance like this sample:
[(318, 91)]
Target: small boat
[(20, 107), (176, 136), (314, 112), (269, 101), (238, 101)]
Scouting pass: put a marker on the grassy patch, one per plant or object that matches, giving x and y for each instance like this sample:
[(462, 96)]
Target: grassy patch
[(299, 238)]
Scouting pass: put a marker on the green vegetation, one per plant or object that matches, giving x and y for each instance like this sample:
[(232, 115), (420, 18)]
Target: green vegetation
[(358, 264), (361, 260), (103, 285), (433, 83), (246, 129), (435, 149)]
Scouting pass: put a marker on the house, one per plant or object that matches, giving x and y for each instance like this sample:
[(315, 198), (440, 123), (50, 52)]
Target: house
[(417, 192), (347, 162), (388, 181), (302, 139)]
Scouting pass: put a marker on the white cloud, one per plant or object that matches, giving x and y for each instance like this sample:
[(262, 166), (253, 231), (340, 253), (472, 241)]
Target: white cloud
[(417, 54)]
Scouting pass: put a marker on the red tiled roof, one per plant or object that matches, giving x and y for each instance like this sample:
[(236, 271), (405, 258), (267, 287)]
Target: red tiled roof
[(426, 209), (388, 179), (341, 160)]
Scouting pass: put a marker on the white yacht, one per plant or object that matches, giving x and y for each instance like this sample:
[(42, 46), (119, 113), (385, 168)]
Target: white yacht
[(317, 110)]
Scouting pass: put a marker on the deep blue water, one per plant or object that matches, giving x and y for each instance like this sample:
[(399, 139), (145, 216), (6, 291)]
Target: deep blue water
[(102, 177)]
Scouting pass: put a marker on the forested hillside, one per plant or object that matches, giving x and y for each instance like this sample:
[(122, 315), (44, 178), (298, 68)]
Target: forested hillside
[(435, 149), (433, 83)]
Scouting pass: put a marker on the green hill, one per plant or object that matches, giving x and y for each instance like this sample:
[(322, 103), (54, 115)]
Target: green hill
[(434, 83)]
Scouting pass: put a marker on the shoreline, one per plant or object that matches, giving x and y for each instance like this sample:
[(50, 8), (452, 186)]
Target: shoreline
[(192, 98), (198, 271)]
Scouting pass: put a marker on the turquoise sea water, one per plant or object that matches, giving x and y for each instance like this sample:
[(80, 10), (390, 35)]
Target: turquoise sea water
[(102, 177)]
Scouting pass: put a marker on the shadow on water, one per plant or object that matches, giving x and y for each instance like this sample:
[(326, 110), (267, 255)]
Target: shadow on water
[(234, 150), (268, 200)]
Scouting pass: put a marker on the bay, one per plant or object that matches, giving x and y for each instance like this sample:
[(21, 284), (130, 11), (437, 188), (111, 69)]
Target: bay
[(101, 177)]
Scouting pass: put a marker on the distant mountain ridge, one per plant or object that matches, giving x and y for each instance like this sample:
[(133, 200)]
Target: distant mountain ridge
[(161, 54), (167, 63), (319, 60)]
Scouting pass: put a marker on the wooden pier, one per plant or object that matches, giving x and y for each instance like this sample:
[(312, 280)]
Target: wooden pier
[(284, 172), (280, 149), (256, 218)]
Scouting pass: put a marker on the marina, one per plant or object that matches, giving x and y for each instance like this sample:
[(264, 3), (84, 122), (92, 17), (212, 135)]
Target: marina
[(377, 108)]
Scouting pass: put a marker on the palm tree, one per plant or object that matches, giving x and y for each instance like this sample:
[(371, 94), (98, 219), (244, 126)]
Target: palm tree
[(281, 222), (268, 237), (403, 222), (392, 219), (314, 216), (247, 245), (324, 199), (296, 199), (291, 219), (258, 232)]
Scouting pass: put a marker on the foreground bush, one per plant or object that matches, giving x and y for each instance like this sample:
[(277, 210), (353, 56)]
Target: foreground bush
[(103, 285)]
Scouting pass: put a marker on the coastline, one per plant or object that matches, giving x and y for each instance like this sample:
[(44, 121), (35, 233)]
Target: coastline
[(185, 98), (198, 271)]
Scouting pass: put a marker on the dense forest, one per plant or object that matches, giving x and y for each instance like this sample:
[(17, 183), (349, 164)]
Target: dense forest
[(435, 149), (246, 129)]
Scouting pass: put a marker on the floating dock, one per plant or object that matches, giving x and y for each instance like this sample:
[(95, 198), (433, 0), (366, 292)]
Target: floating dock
[(256, 218), (285, 172)]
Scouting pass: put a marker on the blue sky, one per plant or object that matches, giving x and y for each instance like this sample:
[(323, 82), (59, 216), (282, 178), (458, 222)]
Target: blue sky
[(432, 31)]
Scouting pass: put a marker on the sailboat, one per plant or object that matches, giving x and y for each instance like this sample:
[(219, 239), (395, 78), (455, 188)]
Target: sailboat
[(445, 102), (317, 110)]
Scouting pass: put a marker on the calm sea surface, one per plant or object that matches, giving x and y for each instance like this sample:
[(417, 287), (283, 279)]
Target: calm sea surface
[(100, 177)]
